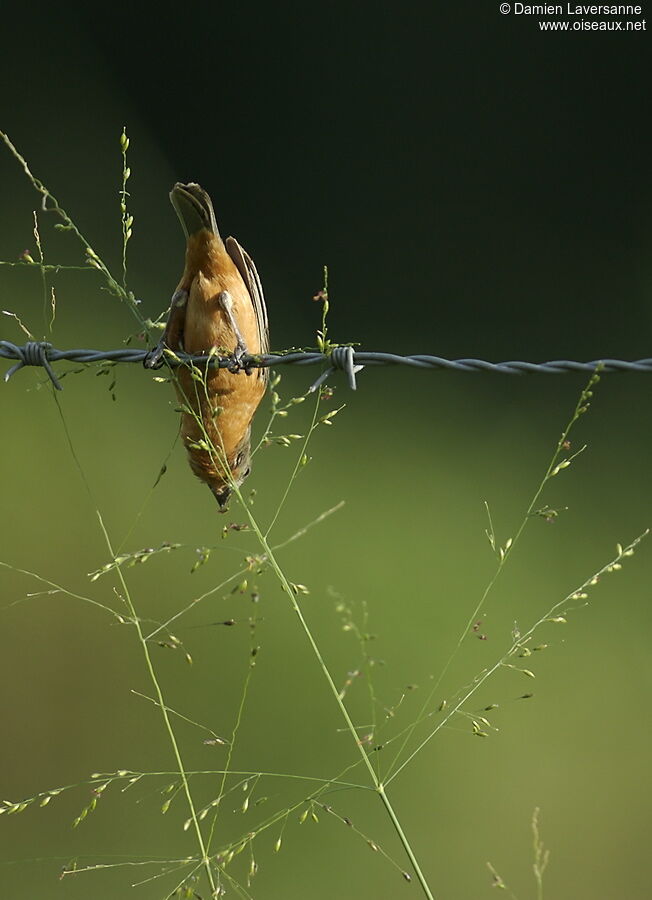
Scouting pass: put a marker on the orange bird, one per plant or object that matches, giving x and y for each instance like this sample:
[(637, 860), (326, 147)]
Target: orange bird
[(218, 305)]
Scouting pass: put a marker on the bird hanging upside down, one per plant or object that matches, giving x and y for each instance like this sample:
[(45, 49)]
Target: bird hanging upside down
[(218, 305)]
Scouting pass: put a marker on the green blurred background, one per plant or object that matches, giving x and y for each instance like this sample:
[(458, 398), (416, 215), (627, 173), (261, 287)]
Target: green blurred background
[(477, 189)]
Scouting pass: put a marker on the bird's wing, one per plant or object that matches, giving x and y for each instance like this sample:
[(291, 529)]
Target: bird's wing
[(245, 266)]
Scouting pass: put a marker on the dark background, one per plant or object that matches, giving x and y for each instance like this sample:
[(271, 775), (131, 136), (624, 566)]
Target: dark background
[(477, 188), (441, 158)]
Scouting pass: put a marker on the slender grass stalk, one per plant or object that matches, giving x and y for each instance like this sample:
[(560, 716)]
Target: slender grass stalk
[(51, 204), (205, 861), (404, 841), (164, 712), (521, 640), (380, 789), (300, 457), (541, 855), (554, 467), (127, 219), (232, 742), (219, 459)]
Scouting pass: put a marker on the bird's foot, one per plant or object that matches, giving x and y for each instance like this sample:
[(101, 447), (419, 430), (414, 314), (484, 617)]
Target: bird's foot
[(226, 302), (154, 359), (237, 357)]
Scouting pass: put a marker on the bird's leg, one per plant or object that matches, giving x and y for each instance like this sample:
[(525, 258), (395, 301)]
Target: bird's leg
[(226, 302), (173, 333)]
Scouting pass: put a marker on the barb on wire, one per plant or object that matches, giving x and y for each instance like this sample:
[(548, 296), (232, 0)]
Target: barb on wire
[(344, 358), (33, 353)]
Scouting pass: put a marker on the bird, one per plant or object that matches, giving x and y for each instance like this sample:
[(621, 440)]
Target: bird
[(218, 306)]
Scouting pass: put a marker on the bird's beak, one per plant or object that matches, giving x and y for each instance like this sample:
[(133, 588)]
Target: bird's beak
[(222, 498)]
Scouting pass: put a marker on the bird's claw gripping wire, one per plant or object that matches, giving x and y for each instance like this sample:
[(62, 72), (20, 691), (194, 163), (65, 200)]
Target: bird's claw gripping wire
[(240, 352), (237, 360), (154, 359)]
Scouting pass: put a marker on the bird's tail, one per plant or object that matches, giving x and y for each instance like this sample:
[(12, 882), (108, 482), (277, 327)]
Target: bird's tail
[(194, 208)]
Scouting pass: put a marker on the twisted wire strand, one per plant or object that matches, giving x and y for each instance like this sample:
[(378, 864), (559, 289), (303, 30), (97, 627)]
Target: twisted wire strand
[(343, 358)]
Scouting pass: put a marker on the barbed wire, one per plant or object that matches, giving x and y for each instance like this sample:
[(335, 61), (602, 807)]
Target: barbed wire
[(340, 358)]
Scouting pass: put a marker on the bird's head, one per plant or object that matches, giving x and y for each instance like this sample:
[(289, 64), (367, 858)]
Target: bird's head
[(239, 467)]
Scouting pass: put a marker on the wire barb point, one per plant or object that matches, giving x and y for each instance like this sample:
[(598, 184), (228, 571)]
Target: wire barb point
[(33, 353)]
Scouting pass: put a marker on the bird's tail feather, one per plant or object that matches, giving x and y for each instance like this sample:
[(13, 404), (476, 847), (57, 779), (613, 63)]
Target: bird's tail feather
[(194, 208)]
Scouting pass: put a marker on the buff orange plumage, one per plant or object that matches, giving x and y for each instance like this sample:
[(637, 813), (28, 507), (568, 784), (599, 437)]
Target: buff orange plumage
[(218, 304)]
